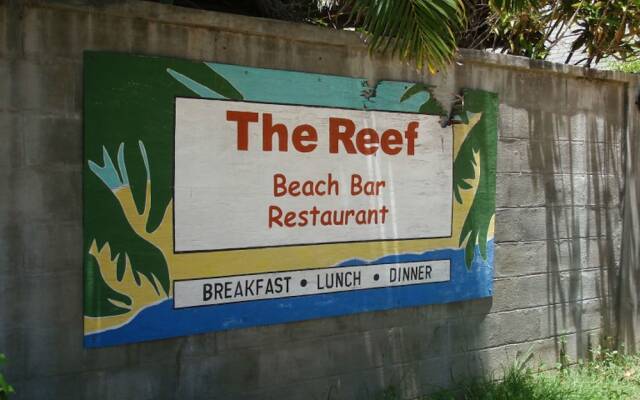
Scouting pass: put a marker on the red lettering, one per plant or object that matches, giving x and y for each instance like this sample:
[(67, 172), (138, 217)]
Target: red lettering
[(268, 130), (301, 135), (391, 138), (279, 185), (275, 213), (242, 119), (356, 182), (341, 130), (411, 134), (290, 219), (367, 141)]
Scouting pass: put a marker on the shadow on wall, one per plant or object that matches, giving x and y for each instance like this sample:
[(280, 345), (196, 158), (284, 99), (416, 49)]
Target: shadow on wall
[(581, 178)]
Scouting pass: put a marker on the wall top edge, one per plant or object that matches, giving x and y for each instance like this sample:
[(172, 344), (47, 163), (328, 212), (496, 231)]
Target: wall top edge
[(300, 32)]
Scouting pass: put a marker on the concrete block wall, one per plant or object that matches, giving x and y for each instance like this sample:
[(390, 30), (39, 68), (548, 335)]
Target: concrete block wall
[(558, 219)]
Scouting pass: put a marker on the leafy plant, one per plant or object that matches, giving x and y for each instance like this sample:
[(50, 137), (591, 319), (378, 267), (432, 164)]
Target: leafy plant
[(611, 376), (423, 30), (5, 388), (630, 66), (431, 31)]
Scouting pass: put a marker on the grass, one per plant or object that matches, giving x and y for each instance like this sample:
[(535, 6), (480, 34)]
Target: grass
[(610, 376)]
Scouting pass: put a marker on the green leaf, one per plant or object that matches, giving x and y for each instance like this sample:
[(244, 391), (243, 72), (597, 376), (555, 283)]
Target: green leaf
[(5, 388), (511, 6), (422, 30)]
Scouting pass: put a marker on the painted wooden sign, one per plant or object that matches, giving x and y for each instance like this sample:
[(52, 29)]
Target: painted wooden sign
[(220, 196)]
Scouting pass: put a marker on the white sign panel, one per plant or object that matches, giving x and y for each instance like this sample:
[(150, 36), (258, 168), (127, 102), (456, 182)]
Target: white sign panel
[(259, 175), (234, 289)]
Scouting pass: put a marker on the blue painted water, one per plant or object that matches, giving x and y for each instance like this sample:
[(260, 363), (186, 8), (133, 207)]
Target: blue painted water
[(162, 321)]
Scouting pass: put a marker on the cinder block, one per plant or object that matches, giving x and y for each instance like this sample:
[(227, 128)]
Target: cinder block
[(359, 385), (557, 157), (50, 301), (132, 382), (395, 317), (12, 143), (223, 376), (554, 223), (136, 382), (524, 89), (158, 352), (524, 258), (603, 252), (525, 224), (52, 248), (596, 96), (36, 194), (356, 351), (416, 342), (12, 249), (601, 222), (526, 327), (204, 345), (65, 34), (385, 347), (12, 345), (53, 142), (4, 28), (258, 336), (550, 288), (54, 87), (513, 122), (12, 288), (536, 190), (603, 190), (70, 356), (495, 360), (6, 84), (594, 126), (294, 362), (331, 326)]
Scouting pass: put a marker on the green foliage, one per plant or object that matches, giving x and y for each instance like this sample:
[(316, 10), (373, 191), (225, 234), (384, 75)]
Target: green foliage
[(510, 6), (597, 29), (520, 35), (430, 31), (611, 375), (631, 66), (423, 30), (5, 388)]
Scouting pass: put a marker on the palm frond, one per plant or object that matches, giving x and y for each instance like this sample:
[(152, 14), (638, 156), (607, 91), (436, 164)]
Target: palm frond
[(511, 6), (423, 30)]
